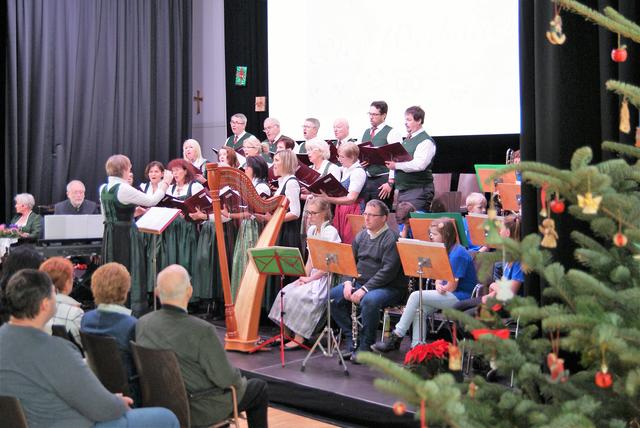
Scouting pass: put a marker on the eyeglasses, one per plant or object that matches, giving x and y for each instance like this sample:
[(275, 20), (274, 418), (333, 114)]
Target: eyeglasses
[(267, 128), (374, 114), (235, 122), (309, 212), (372, 215)]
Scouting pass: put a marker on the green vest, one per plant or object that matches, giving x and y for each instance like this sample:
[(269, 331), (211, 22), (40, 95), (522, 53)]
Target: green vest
[(412, 180), (238, 145), (380, 139)]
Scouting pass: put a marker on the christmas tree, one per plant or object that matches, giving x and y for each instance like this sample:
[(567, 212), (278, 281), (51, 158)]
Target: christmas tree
[(590, 313)]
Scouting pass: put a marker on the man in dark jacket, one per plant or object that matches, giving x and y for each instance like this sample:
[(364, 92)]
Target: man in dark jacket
[(205, 368)]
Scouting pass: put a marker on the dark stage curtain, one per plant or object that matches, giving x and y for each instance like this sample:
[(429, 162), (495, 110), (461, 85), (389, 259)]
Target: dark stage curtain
[(564, 102), (87, 79), (245, 33)]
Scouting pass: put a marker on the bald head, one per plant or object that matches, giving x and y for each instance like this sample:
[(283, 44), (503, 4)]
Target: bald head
[(341, 128), (173, 286)]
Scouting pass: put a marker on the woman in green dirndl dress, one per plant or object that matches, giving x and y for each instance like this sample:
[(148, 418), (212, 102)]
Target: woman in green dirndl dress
[(154, 172), (122, 242), (181, 237)]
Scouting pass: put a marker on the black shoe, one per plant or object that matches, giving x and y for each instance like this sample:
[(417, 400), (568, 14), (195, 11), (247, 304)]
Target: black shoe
[(389, 344)]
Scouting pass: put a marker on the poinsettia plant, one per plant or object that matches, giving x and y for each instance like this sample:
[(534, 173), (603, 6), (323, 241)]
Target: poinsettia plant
[(428, 359)]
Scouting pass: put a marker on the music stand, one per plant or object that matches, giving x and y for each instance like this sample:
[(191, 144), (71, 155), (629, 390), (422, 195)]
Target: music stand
[(477, 231), (420, 227), (485, 171), (337, 258), (510, 195), (278, 261), (424, 259), (356, 223)]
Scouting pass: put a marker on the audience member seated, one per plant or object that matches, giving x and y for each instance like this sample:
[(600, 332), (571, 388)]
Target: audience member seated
[(476, 204), (203, 362), (75, 202), (304, 300), (23, 257), (381, 282), (446, 294), (110, 284), (29, 223), (47, 374), (68, 312)]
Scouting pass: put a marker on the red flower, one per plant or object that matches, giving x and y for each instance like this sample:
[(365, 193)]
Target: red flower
[(427, 351), (501, 333)]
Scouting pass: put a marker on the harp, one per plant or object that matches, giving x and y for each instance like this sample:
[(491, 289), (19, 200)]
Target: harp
[(242, 318)]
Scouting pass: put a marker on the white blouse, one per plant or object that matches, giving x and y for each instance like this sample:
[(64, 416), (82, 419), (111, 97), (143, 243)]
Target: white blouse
[(357, 177), (292, 192)]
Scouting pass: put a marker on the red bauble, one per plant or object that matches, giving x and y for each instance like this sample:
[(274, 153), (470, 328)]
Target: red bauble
[(603, 379), (619, 55), (620, 239), (557, 206), (399, 408)]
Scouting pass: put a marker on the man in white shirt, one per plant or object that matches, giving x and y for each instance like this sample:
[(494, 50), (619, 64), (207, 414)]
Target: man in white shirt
[(272, 131), (413, 178), (379, 183)]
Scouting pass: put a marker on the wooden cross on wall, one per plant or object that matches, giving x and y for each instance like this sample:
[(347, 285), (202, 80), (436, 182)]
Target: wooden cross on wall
[(198, 99)]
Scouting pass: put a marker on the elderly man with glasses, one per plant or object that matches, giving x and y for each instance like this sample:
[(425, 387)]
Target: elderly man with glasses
[(238, 135), (381, 282)]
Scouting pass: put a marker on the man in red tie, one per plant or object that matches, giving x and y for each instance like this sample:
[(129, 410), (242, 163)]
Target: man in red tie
[(238, 124), (379, 183), (413, 178)]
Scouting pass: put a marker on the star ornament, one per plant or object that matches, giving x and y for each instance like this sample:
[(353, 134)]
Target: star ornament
[(588, 203), (504, 290)]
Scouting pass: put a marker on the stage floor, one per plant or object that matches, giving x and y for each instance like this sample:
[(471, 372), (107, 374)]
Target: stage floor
[(322, 390)]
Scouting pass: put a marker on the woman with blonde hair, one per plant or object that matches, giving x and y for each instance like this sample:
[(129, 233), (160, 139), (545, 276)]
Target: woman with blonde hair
[(192, 152), (304, 300), (353, 179)]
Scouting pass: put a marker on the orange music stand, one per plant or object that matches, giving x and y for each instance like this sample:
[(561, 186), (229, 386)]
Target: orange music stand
[(356, 221), (509, 195), (483, 172), (336, 258), (420, 227), (477, 232), (423, 259)]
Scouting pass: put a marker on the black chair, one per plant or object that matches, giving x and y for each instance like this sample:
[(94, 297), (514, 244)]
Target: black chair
[(61, 331), (11, 414), (105, 360), (161, 384)]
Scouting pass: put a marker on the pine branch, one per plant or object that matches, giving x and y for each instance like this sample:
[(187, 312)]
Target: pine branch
[(618, 17), (623, 149), (600, 19), (631, 92)]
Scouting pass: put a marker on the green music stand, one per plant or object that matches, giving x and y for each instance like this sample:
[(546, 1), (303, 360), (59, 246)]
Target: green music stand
[(278, 261)]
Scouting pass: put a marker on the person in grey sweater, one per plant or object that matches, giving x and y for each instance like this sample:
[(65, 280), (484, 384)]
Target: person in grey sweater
[(381, 282), (54, 385), (203, 362)]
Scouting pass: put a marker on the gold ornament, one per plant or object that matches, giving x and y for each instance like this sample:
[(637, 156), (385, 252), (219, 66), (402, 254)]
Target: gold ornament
[(555, 36), (588, 203), (549, 234), (625, 124)]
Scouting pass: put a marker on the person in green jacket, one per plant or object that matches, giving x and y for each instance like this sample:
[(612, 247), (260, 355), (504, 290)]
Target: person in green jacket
[(29, 223)]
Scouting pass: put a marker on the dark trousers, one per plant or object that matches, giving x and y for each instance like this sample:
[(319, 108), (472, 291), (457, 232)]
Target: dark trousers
[(370, 306), (419, 197), (370, 190), (255, 402)]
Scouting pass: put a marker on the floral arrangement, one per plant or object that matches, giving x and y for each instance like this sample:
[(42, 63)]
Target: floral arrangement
[(10, 231), (428, 359)]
